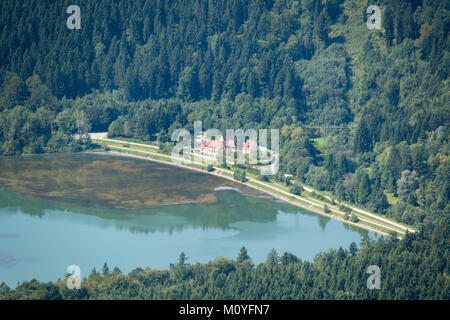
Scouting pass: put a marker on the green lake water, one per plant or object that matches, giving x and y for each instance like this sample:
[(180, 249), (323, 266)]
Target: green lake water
[(87, 209)]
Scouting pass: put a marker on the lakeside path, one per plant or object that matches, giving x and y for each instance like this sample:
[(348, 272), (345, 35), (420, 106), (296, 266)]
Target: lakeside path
[(367, 220), (272, 194)]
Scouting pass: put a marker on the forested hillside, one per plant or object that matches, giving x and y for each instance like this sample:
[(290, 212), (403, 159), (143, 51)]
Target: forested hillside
[(376, 102), (363, 114)]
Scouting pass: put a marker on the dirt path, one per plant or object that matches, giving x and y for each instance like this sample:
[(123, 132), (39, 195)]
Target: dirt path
[(280, 193), (272, 194)]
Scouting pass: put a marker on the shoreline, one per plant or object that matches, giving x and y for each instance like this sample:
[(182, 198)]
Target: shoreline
[(271, 194)]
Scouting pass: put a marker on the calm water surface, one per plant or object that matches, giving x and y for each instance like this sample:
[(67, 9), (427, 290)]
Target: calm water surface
[(87, 209)]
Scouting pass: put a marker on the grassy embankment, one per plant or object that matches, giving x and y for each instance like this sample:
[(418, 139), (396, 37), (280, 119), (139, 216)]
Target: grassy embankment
[(309, 199)]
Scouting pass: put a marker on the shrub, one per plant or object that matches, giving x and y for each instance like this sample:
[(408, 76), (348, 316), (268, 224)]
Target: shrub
[(262, 177), (296, 189), (239, 174)]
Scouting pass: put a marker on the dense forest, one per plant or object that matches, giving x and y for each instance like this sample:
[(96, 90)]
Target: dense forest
[(363, 114), (413, 268)]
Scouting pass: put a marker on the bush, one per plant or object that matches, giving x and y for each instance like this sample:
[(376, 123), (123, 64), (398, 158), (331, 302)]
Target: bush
[(261, 177), (345, 208), (318, 196), (165, 147), (239, 174), (288, 180), (296, 189)]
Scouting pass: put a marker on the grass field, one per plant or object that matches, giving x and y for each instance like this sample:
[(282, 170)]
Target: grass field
[(313, 201)]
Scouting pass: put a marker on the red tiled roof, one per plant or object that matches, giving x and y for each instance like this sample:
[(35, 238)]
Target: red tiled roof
[(211, 144)]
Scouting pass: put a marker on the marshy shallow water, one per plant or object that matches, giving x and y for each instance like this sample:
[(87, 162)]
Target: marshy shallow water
[(87, 209)]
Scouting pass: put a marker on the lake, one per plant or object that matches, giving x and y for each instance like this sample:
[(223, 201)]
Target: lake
[(87, 209)]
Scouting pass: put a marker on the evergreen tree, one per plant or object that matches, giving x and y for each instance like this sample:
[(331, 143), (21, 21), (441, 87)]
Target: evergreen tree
[(182, 260), (272, 258), (243, 255), (105, 269)]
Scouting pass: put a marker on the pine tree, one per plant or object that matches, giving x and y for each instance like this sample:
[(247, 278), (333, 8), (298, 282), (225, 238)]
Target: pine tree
[(272, 258), (242, 256), (362, 188), (105, 269), (388, 23), (182, 260)]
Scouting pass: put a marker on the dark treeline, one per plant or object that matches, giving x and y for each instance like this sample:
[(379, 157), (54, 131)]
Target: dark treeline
[(159, 49), (416, 267)]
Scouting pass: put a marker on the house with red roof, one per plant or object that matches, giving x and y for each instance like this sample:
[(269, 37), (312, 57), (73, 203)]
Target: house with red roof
[(211, 147)]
